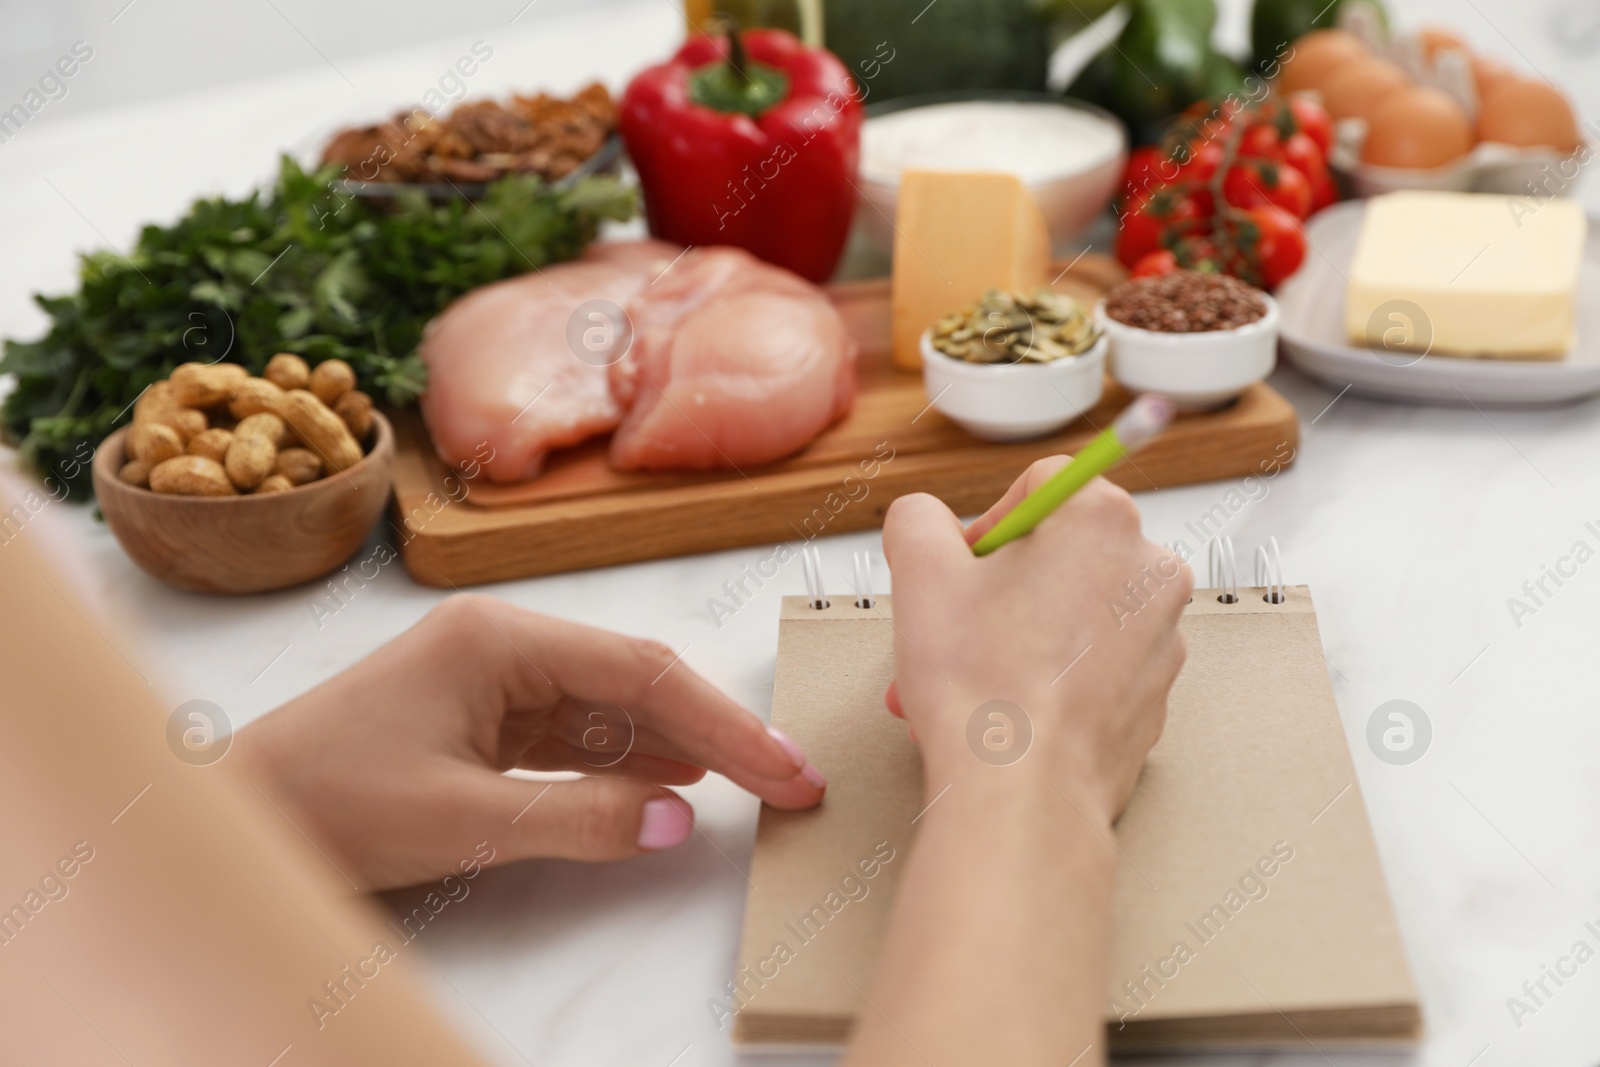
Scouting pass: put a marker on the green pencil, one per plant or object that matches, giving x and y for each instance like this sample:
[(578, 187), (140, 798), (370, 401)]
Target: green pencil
[(1139, 423)]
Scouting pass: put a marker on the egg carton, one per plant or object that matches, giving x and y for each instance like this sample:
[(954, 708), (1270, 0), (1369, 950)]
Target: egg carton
[(1540, 173), (1490, 167)]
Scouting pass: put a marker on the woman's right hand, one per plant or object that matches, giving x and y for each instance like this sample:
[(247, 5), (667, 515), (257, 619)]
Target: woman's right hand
[(1075, 624), (1005, 902)]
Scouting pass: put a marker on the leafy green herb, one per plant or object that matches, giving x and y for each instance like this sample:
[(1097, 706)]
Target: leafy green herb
[(299, 268)]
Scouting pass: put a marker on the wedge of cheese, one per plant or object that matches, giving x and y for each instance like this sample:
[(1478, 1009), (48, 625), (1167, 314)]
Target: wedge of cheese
[(957, 235), (1467, 274)]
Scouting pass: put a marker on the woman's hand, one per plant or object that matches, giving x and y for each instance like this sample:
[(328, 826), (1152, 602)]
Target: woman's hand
[(1075, 624), (1004, 906), (395, 766)]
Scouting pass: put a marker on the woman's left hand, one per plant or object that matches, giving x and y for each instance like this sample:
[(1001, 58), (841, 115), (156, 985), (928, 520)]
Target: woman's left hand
[(394, 767)]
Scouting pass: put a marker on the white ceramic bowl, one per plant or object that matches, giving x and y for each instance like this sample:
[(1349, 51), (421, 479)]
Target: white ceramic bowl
[(1069, 201), (1198, 371), (1015, 401)]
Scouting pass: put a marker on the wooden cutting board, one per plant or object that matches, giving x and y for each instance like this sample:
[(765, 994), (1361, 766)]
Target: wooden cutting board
[(580, 513)]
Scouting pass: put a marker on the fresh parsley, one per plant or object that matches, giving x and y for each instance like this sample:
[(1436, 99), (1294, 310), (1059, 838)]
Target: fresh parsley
[(301, 268)]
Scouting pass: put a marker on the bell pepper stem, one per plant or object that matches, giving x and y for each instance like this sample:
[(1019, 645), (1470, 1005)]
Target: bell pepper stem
[(736, 54), (735, 84)]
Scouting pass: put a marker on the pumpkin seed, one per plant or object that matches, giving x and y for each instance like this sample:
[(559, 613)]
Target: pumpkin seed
[(1006, 327)]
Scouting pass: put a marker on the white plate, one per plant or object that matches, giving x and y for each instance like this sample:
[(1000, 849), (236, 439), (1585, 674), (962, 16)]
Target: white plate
[(1312, 334)]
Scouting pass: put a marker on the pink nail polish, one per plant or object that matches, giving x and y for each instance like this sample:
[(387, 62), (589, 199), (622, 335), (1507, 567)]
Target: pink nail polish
[(790, 749), (814, 776), (667, 822)]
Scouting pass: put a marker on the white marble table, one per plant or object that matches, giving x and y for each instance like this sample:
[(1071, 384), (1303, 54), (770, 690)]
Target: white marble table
[(1413, 527)]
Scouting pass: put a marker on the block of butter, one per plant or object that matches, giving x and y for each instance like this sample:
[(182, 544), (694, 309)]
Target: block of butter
[(957, 235), (1467, 274)]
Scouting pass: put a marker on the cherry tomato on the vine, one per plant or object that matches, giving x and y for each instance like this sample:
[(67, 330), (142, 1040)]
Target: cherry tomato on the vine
[(1271, 238), (1313, 120), (1302, 153), (1148, 221), (1211, 117), (1198, 160), (1253, 182), (1261, 141), (1277, 173), (1198, 252), (1143, 172), (1157, 264), (1323, 193)]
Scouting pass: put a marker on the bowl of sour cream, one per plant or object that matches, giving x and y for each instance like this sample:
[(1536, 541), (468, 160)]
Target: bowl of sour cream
[(1069, 154)]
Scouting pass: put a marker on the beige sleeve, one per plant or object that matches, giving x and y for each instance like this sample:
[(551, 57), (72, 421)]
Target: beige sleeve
[(157, 912)]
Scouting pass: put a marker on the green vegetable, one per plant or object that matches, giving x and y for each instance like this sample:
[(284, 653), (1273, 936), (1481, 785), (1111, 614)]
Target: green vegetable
[(300, 268), (1276, 24), (901, 47), (1069, 16), (1198, 15), (1162, 58), (1093, 82), (1162, 62), (1224, 78)]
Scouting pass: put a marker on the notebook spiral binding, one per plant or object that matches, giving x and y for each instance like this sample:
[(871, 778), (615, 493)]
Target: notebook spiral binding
[(816, 589), (1222, 573), (1222, 570), (863, 579), (1269, 571), (811, 564)]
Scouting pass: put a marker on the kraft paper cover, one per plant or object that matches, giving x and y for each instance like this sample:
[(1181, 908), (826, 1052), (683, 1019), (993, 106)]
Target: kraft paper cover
[(1252, 774)]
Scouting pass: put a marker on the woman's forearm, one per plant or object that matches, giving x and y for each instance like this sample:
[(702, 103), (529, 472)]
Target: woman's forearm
[(998, 949)]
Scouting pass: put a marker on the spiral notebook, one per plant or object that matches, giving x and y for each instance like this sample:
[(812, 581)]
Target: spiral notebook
[(1247, 843)]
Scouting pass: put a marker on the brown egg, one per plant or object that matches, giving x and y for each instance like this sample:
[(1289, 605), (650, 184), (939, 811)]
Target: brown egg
[(1521, 111), (1436, 39), (1418, 127), (1356, 90), (1488, 72), (1315, 56)]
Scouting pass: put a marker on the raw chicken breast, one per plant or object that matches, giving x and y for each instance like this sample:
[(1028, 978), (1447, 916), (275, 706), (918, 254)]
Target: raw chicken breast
[(504, 381), (731, 362), (734, 362)]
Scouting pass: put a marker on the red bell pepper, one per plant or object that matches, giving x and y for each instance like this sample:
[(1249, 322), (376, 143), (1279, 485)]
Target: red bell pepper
[(749, 140)]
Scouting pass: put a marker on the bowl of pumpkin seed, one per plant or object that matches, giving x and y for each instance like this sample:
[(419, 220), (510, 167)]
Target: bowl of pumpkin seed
[(1013, 366)]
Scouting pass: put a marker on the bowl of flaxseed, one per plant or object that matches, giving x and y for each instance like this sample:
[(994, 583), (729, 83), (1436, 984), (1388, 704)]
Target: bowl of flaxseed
[(1198, 337)]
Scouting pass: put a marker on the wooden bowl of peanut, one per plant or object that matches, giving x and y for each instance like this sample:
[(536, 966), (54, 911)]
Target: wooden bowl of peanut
[(226, 483)]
